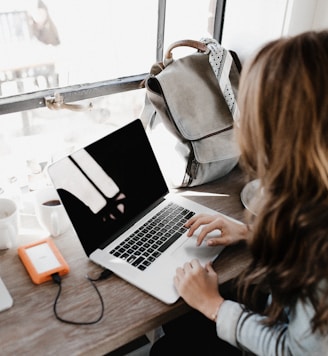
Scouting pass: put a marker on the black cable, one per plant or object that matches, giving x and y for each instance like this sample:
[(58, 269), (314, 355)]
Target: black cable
[(103, 275), (57, 279)]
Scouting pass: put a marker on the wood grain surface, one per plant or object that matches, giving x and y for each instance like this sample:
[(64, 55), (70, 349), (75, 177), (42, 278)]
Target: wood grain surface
[(30, 327)]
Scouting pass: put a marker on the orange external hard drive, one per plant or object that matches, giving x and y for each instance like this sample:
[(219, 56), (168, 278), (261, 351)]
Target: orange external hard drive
[(42, 259)]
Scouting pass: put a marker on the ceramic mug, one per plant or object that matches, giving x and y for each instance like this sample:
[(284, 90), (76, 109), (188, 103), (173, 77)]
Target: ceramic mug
[(8, 223), (50, 212)]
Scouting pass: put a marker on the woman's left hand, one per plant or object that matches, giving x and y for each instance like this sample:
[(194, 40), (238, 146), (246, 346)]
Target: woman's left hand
[(198, 286)]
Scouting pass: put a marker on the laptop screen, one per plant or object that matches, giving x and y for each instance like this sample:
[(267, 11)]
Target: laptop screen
[(106, 186)]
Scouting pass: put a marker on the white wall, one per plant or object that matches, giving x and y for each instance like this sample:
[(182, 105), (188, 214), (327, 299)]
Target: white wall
[(251, 23), (299, 16), (320, 20)]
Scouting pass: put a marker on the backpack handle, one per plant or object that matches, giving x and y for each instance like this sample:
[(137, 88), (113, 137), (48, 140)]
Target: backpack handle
[(200, 46)]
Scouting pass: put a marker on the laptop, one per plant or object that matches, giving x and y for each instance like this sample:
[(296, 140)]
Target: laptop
[(126, 219)]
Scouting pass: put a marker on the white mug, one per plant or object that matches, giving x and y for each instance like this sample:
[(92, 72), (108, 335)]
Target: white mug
[(50, 212), (8, 223)]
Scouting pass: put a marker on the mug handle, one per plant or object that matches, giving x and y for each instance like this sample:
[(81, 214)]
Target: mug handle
[(54, 220), (9, 235)]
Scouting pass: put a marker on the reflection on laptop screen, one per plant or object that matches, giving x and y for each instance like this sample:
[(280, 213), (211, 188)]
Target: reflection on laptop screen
[(107, 185)]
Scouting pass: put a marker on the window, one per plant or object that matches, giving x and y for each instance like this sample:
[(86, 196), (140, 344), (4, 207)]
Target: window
[(80, 52)]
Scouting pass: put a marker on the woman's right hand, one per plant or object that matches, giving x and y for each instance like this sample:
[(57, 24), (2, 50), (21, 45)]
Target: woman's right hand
[(231, 231)]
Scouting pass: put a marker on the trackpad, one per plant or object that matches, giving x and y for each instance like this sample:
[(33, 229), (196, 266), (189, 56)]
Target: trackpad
[(204, 253)]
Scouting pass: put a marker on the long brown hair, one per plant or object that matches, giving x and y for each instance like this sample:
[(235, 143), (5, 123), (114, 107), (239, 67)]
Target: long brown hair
[(283, 137)]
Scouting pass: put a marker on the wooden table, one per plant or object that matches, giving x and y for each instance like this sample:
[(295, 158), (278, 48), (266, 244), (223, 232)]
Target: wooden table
[(30, 327)]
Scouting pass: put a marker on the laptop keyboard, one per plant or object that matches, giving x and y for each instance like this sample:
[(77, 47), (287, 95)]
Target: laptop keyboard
[(146, 244)]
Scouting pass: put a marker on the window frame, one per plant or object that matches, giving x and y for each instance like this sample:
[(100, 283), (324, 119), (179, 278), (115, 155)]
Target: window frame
[(70, 94)]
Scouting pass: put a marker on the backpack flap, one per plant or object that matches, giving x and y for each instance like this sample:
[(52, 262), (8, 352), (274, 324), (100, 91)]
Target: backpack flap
[(189, 113), (188, 98)]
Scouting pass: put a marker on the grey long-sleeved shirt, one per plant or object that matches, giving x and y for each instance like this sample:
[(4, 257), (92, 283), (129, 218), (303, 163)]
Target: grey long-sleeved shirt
[(237, 326)]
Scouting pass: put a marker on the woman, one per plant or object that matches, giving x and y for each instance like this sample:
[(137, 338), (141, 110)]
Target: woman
[(283, 138)]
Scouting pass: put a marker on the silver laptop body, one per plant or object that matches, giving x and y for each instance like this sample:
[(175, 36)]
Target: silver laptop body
[(110, 190)]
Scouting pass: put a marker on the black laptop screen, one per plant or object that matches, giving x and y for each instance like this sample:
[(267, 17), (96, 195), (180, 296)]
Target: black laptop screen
[(105, 186)]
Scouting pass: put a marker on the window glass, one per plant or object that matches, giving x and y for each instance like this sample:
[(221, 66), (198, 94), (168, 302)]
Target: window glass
[(187, 19), (50, 44), (59, 43), (31, 140)]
